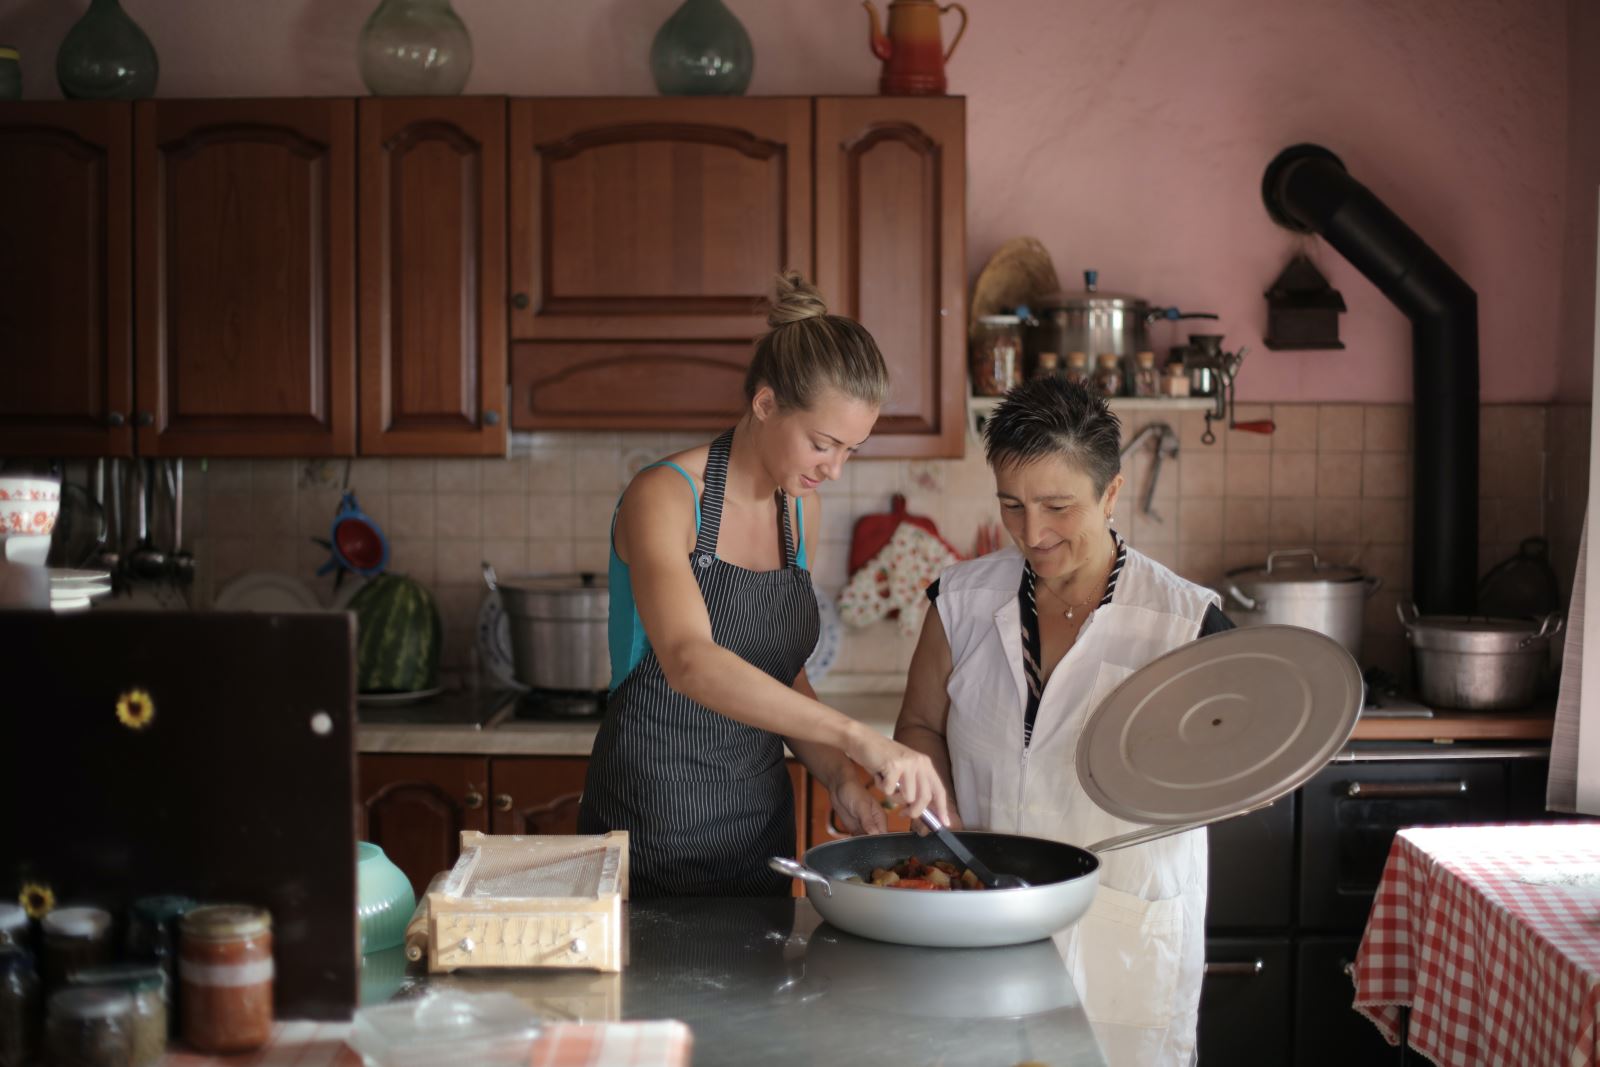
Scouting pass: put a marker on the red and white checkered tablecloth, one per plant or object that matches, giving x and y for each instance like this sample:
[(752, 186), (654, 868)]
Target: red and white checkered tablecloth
[(1497, 964)]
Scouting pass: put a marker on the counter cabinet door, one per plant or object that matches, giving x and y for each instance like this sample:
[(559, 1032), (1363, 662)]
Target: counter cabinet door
[(415, 807), (1245, 1001), (537, 794)]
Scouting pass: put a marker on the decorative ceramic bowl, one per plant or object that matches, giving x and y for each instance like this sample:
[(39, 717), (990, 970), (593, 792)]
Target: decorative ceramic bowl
[(28, 505), (384, 899)]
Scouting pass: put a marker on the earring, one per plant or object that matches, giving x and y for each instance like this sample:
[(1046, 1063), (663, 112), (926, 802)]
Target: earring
[(1110, 520)]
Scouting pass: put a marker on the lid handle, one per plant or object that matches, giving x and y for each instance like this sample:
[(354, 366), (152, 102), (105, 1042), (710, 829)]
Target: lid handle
[(1290, 553), (1091, 280)]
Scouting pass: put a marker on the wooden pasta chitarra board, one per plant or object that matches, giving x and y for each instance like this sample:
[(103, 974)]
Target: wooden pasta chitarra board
[(531, 901)]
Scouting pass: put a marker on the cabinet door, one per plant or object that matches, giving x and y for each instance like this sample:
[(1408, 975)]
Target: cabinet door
[(1246, 1002), (1350, 813), (433, 313), (1251, 867), (1328, 1032), (65, 292), (891, 253), (245, 289), (655, 219), (415, 807), (537, 794), (628, 385)]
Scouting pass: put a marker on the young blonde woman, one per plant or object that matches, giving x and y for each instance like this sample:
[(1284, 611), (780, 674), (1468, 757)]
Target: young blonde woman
[(712, 620)]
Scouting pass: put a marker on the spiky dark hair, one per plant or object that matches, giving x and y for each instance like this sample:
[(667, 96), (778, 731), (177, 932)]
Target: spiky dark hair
[(1054, 417)]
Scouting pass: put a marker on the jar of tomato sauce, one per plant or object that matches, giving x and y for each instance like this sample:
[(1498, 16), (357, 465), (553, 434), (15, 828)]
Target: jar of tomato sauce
[(225, 971)]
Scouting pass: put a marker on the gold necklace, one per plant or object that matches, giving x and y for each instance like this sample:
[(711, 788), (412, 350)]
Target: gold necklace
[(1073, 606)]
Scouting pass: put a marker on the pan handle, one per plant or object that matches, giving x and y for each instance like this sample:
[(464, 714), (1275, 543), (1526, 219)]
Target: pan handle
[(1156, 833), (784, 865)]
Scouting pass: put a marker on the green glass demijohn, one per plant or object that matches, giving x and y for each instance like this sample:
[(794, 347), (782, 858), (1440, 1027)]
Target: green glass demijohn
[(106, 56), (702, 49), (415, 48)]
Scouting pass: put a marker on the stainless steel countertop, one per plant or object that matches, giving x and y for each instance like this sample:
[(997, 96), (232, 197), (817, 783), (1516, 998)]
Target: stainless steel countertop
[(761, 981)]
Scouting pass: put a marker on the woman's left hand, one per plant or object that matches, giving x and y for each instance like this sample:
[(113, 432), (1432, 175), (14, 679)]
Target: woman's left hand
[(855, 810)]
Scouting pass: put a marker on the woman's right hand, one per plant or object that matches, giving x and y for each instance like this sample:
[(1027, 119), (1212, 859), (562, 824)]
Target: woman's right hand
[(904, 774)]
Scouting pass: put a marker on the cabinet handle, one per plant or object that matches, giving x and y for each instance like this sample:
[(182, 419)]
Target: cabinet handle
[(473, 800), (144, 418), (520, 301), (1348, 967), (491, 418), (116, 418), (503, 802), (1406, 790), (1239, 969)]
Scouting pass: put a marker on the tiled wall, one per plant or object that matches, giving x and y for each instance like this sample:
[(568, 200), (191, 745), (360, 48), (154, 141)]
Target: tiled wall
[(1334, 477)]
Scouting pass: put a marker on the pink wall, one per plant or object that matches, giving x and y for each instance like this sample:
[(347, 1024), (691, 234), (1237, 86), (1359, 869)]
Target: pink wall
[(1128, 137)]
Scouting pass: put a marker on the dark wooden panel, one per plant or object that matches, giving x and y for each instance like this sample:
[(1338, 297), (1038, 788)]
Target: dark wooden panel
[(537, 794), (415, 807), (433, 312), (1246, 1001), (1251, 869), (229, 792), (891, 252), (65, 291), (655, 218), (246, 279), (1345, 839), (636, 385), (1327, 1030)]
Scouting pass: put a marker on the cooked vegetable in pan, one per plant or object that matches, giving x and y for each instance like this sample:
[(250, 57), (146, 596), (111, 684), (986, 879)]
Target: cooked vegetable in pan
[(912, 873)]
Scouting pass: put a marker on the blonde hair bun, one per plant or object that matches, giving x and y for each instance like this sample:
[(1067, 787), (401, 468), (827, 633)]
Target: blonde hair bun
[(793, 300)]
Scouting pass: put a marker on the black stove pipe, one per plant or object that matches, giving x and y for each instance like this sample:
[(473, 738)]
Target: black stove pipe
[(1307, 189)]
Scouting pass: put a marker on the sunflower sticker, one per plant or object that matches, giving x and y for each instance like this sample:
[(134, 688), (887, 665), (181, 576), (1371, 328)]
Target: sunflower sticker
[(135, 709), (37, 900)]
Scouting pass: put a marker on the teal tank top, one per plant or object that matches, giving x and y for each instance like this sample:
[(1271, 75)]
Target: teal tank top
[(624, 632)]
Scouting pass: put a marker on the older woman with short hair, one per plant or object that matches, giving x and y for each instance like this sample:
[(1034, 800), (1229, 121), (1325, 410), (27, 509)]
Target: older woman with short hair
[(1024, 644)]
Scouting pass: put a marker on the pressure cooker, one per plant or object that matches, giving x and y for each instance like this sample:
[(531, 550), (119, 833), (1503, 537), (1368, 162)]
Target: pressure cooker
[(1095, 322), (558, 628)]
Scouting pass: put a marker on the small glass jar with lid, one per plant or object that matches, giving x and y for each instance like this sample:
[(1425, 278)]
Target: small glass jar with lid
[(996, 355), (1146, 379), (74, 938), (90, 1026), (1077, 369), (1108, 375), (1175, 383), (153, 938), (225, 971), (1048, 366), (19, 1006), (147, 985)]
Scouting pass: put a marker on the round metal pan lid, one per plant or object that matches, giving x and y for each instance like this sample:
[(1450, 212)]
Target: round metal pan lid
[(1220, 726)]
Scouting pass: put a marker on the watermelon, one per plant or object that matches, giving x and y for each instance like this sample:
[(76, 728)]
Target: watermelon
[(398, 634)]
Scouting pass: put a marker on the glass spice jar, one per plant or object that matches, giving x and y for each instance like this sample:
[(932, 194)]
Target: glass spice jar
[(1176, 381), (996, 355), (147, 985), (225, 971), (74, 938), (1048, 366), (19, 1006), (1146, 379), (1108, 375), (90, 1026), (1076, 371), (153, 938)]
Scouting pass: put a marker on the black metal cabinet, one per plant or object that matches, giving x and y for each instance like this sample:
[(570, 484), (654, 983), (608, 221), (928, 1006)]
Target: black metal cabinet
[(1246, 1002), (1252, 870), (1350, 812), (1328, 1032)]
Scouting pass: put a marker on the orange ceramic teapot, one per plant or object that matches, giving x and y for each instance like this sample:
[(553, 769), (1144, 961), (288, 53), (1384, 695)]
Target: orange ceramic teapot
[(913, 54)]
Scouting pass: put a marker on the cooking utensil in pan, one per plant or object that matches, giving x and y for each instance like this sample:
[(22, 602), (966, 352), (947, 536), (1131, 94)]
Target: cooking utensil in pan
[(1218, 728), (965, 858)]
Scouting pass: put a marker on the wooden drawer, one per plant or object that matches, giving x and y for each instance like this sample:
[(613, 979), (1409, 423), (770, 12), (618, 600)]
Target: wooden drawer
[(1245, 1001), (1327, 1030)]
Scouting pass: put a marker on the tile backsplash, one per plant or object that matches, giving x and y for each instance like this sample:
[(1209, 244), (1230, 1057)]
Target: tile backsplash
[(1336, 477)]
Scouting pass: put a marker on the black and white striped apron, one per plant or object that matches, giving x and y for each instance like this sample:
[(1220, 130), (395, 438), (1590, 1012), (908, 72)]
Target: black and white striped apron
[(705, 799)]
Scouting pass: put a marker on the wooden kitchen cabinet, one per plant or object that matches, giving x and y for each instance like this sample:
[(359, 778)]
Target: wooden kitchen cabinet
[(245, 281), (432, 266), (65, 285), (1246, 1001), (891, 253), (537, 794), (415, 807)]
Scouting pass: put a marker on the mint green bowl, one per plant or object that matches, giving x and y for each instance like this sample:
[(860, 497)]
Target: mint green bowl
[(384, 899)]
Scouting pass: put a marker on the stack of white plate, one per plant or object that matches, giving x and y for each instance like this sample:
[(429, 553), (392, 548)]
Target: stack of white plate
[(71, 590)]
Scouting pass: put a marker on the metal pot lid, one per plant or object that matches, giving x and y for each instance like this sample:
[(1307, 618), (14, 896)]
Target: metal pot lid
[(1297, 567), (571, 584), (1475, 633), (1221, 726), (1091, 297)]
